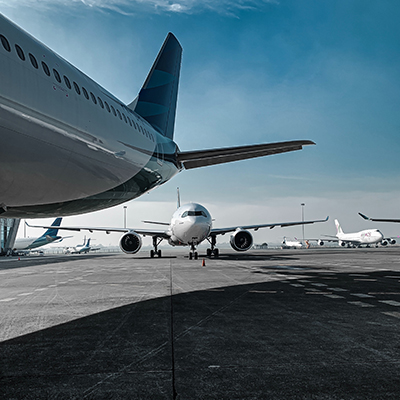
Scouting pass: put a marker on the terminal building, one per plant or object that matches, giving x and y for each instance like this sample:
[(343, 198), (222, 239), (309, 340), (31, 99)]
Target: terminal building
[(8, 233)]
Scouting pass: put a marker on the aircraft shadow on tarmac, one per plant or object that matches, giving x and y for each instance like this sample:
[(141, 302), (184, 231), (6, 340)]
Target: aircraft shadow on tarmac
[(263, 340)]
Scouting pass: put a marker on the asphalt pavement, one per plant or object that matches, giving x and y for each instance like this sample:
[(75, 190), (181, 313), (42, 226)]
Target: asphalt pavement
[(266, 324)]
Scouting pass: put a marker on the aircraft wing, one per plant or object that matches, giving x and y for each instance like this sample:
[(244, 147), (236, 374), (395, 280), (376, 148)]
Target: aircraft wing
[(145, 232), (222, 231), (203, 158), (379, 219)]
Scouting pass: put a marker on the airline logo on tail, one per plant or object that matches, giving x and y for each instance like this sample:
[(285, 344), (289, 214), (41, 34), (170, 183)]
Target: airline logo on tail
[(339, 230)]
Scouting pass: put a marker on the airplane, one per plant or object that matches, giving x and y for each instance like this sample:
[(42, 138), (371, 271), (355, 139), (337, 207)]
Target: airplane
[(356, 239), (68, 146), (288, 244), (48, 237), (80, 248), (190, 225)]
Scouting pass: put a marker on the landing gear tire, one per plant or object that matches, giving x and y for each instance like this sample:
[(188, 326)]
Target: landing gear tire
[(196, 256), (190, 256), (152, 253), (216, 253), (209, 252), (159, 253)]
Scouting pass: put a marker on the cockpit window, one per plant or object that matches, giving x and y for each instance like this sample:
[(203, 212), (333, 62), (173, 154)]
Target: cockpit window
[(193, 214)]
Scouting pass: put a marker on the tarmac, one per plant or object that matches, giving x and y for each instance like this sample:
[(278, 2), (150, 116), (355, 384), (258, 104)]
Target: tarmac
[(266, 324)]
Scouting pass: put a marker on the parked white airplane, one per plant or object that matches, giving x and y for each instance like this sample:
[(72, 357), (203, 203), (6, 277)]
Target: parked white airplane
[(289, 244), (79, 248), (356, 239), (48, 237), (190, 225), (68, 146)]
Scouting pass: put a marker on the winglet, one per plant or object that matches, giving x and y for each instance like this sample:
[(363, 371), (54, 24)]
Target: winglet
[(364, 216)]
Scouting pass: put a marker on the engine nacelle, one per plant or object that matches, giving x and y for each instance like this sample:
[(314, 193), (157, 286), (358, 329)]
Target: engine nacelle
[(130, 243), (384, 243), (241, 240), (392, 241), (342, 243), (321, 242)]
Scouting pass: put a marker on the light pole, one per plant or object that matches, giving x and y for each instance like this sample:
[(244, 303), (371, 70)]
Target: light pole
[(302, 218), (125, 207)]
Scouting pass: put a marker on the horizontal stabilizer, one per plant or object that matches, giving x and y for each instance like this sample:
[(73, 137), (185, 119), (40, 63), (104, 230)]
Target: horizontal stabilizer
[(203, 158)]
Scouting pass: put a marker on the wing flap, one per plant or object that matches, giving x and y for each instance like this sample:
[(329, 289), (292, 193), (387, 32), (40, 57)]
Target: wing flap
[(203, 158)]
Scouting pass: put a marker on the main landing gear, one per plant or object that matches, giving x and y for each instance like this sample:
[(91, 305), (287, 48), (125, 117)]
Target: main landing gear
[(213, 241), (156, 252)]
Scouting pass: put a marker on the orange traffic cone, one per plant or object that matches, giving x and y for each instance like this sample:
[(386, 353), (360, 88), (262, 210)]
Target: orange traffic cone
[(203, 264)]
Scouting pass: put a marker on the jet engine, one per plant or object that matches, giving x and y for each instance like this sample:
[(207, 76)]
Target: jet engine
[(341, 243), (241, 240), (320, 242), (384, 243), (392, 241), (130, 243)]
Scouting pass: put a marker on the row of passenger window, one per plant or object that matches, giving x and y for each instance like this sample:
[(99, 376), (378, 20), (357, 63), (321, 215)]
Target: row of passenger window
[(67, 82)]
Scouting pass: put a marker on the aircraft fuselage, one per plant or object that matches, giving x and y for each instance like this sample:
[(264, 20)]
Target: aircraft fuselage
[(101, 152)]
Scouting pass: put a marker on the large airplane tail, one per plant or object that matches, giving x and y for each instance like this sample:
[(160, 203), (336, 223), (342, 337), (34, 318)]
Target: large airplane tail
[(339, 229), (53, 231), (157, 99)]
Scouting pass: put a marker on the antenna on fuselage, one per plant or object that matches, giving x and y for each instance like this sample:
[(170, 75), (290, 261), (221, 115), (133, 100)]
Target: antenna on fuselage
[(178, 204)]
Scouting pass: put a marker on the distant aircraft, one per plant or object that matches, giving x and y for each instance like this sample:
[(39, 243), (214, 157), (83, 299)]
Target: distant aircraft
[(289, 244), (48, 237), (68, 146), (80, 248), (190, 225), (356, 239)]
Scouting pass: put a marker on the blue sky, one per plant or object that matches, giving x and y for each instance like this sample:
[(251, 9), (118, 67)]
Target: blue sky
[(253, 71)]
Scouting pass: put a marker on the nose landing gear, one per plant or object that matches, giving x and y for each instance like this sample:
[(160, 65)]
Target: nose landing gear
[(193, 253)]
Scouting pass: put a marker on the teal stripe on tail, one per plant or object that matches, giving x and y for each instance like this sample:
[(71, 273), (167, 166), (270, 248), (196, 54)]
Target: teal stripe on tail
[(157, 99)]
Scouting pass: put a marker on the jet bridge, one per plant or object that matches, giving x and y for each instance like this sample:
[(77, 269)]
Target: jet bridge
[(8, 233)]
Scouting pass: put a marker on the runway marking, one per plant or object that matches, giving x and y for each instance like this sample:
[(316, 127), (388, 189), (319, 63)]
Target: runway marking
[(321, 293), (8, 299), (40, 290), (304, 281), (360, 304), (262, 291), (366, 280), (338, 289), (319, 284), (395, 314), (390, 302), (334, 296), (25, 294), (362, 295), (296, 285), (51, 286)]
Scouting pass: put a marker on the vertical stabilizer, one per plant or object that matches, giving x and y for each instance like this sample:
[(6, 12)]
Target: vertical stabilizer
[(157, 99), (53, 231), (339, 230)]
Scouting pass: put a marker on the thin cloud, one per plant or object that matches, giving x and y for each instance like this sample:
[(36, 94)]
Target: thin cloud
[(126, 7)]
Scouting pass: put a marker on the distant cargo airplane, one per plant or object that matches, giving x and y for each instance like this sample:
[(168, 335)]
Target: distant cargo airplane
[(48, 237), (68, 146), (190, 225), (356, 239)]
